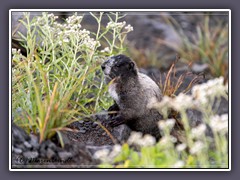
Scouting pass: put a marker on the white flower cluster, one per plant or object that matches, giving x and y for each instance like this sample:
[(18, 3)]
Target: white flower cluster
[(180, 102), (105, 155), (166, 124), (16, 53), (137, 139), (68, 32), (201, 94), (165, 140), (219, 123), (74, 19), (129, 28), (197, 147), (106, 50), (213, 88), (115, 25), (181, 147), (198, 131), (178, 164)]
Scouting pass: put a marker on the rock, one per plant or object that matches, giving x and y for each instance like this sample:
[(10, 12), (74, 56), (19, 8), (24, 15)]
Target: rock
[(195, 117), (197, 68), (18, 135), (50, 153), (64, 155), (93, 149), (17, 150), (30, 154), (94, 124), (34, 141), (27, 145), (82, 131), (121, 132)]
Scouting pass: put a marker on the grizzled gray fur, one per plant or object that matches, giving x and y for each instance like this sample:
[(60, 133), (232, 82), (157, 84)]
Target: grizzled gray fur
[(131, 91)]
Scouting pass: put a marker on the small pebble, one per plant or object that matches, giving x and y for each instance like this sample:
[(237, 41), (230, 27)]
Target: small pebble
[(17, 150), (82, 131), (94, 125), (50, 153), (64, 155), (27, 145)]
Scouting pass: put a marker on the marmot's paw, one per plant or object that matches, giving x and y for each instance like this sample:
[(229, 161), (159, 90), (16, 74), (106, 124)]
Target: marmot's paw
[(116, 121)]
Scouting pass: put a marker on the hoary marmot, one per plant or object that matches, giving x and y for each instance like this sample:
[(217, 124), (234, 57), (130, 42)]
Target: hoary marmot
[(131, 91)]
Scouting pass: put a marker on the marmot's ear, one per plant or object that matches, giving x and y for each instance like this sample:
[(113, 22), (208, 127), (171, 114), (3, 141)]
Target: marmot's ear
[(132, 66)]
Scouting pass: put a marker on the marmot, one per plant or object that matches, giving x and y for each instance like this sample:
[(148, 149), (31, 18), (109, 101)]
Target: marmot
[(131, 91)]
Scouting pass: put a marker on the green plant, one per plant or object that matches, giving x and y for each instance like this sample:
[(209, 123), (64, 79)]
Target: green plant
[(59, 80), (209, 45)]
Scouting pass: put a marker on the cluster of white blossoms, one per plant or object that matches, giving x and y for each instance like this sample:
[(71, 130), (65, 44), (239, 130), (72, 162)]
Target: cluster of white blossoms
[(219, 123), (16, 53), (119, 26), (70, 31), (107, 155), (166, 124), (137, 139), (115, 25), (201, 95), (180, 102), (198, 131), (213, 88), (106, 50), (197, 147)]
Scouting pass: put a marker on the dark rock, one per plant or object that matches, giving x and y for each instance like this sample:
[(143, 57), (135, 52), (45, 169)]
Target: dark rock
[(18, 135), (121, 132), (17, 150), (94, 124), (195, 117), (34, 141), (50, 153), (30, 154), (27, 145)]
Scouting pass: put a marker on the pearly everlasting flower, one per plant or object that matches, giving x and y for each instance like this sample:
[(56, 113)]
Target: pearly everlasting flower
[(101, 154), (197, 147), (166, 124), (182, 102), (115, 25), (129, 28), (219, 123), (106, 49), (167, 139), (134, 137), (178, 164), (213, 88), (181, 147), (115, 151), (198, 131), (137, 139)]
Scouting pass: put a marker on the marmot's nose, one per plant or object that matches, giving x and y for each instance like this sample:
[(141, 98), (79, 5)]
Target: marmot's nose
[(103, 66)]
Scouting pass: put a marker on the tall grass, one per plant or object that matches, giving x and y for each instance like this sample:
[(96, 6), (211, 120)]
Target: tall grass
[(59, 80), (208, 45)]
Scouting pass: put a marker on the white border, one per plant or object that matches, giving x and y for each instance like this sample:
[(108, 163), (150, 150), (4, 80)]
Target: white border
[(119, 10)]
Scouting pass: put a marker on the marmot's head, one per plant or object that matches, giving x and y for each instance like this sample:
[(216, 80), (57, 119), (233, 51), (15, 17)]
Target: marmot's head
[(119, 66)]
